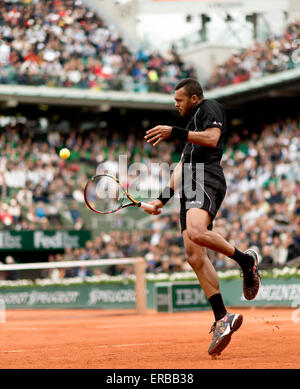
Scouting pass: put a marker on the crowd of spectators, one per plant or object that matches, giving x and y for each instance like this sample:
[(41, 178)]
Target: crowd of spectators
[(275, 54), (39, 190), (35, 184), (261, 208), (65, 44)]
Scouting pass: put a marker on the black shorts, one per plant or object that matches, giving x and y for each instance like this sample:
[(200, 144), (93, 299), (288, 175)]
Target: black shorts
[(212, 192)]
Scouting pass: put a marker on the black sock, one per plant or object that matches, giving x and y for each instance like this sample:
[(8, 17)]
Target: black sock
[(216, 302), (244, 260)]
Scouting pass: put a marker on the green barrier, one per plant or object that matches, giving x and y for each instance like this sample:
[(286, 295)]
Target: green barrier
[(164, 297), (180, 297), (273, 292), (79, 296), (188, 296)]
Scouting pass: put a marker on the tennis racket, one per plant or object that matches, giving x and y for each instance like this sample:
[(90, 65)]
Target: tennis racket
[(104, 194)]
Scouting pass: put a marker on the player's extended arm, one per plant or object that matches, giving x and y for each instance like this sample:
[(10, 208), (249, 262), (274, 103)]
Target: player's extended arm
[(209, 137)]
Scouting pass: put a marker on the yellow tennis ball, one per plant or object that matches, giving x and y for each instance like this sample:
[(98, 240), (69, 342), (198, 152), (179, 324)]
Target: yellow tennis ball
[(64, 153)]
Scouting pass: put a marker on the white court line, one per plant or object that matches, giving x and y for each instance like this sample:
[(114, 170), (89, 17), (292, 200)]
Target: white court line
[(164, 324), (25, 329), (133, 344), (149, 324), (102, 346), (27, 351), (12, 351)]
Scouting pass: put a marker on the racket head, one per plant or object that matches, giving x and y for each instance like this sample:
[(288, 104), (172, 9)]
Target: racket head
[(104, 194)]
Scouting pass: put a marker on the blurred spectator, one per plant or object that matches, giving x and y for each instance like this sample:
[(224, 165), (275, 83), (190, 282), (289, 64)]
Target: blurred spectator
[(11, 275), (24, 197), (293, 248), (75, 214), (279, 252), (267, 258), (39, 195), (6, 217), (79, 224), (15, 210), (40, 210), (70, 255)]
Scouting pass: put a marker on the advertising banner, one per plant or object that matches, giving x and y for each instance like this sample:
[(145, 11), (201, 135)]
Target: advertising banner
[(42, 240), (164, 297)]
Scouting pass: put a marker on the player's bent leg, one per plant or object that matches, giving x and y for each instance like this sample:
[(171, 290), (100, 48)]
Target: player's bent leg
[(197, 221), (228, 323), (197, 258)]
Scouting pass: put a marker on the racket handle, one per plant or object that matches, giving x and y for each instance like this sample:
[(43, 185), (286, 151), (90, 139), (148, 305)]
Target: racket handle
[(147, 206)]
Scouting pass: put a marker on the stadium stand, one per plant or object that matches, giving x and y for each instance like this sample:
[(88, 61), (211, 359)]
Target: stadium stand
[(273, 55), (65, 44)]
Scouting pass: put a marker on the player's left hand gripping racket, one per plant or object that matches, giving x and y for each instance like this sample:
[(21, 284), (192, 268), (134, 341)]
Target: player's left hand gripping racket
[(104, 194)]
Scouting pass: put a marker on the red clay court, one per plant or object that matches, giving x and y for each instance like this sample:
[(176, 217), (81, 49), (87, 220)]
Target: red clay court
[(95, 339)]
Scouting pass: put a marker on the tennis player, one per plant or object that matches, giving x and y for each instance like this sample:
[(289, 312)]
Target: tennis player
[(204, 142)]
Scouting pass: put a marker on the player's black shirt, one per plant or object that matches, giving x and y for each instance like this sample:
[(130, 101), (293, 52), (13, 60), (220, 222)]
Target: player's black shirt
[(209, 113)]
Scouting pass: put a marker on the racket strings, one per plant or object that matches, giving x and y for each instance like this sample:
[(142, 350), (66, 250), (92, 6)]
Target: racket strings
[(105, 194)]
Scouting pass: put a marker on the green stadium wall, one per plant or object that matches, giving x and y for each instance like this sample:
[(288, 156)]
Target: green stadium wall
[(273, 292)]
